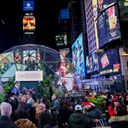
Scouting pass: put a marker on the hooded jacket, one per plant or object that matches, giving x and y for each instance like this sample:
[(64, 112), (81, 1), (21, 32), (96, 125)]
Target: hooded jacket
[(79, 120)]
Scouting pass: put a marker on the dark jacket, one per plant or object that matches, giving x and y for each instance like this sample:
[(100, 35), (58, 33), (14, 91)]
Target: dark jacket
[(63, 116), (45, 119), (5, 122), (79, 120), (119, 121), (94, 113), (19, 115)]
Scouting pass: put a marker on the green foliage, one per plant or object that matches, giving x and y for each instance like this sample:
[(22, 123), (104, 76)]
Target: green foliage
[(2, 95), (47, 81), (7, 87), (59, 92), (45, 86), (97, 100)]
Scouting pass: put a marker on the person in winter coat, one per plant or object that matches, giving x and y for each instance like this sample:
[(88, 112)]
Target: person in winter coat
[(91, 111), (20, 112), (55, 106), (45, 119), (119, 121), (64, 113), (5, 121), (79, 120)]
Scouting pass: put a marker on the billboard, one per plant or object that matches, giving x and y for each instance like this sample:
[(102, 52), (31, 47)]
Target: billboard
[(29, 76), (78, 57), (108, 26), (92, 63), (29, 24), (28, 5), (61, 40), (64, 14), (109, 61)]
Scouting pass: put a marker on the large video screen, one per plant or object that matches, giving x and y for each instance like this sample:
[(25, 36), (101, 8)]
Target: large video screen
[(92, 63), (78, 57), (109, 60), (28, 5), (61, 40), (29, 23), (108, 26)]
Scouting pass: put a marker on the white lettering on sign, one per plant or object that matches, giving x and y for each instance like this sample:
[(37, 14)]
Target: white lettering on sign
[(29, 76)]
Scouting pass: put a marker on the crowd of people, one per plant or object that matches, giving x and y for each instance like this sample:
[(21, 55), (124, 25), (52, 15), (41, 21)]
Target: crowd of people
[(24, 111)]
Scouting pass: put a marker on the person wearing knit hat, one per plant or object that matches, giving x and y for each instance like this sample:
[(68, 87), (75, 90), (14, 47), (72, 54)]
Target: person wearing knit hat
[(78, 120), (78, 107), (91, 111), (87, 103)]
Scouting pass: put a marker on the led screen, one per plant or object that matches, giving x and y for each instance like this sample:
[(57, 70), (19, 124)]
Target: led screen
[(64, 14), (28, 5), (29, 23), (61, 40), (92, 62), (109, 60), (78, 57), (107, 22)]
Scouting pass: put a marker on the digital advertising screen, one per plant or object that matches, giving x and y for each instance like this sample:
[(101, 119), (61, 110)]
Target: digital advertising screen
[(92, 63), (61, 40), (109, 61), (89, 64), (29, 23), (28, 5), (64, 14), (78, 57), (108, 26)]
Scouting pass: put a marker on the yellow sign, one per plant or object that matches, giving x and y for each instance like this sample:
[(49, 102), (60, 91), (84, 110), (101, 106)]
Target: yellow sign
[(112, 22), (106, 71)]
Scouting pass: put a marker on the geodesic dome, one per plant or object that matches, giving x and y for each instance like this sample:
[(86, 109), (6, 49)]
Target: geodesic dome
[(29, 57)]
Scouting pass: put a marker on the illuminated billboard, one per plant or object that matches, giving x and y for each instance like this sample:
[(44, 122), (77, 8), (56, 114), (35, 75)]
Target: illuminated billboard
[(108, 26), (109, 61), (92, 63), (61, 40), (28, 5), (64, 14), (29, 23), (78, 57)]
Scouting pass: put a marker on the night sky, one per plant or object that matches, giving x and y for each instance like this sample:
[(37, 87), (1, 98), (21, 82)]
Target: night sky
[(11, 14)]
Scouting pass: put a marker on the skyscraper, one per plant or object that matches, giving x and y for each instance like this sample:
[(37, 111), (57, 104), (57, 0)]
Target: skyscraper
[(75, 19)]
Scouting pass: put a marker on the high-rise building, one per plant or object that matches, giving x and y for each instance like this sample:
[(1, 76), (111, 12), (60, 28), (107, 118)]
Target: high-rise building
[(84, 29), (91, 31), (62, 37), (75, 19)]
